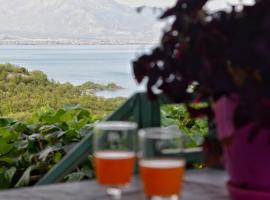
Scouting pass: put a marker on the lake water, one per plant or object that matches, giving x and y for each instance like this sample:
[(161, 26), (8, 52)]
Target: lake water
[(78, 64)]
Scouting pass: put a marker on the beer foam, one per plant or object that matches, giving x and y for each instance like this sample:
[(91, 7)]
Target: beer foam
[(114, 155), (162, 163)]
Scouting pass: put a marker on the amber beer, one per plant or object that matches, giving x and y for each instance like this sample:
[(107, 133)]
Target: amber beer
[(162, 177), (114, 168)]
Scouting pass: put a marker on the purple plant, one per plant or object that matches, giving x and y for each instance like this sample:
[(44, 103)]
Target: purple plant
[(217, 54)]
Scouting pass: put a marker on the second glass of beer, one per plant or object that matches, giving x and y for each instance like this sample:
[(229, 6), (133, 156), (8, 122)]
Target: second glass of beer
[(161, 163), (114, 155)]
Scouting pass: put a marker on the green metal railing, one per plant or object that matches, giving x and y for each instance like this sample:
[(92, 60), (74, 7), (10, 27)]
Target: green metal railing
[(137, 108)]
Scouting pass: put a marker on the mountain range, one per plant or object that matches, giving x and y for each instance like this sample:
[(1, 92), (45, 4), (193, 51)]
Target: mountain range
[(75, 21)]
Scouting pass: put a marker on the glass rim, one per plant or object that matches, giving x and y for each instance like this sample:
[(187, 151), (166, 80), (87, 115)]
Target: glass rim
[(116, 125), (160, 133)]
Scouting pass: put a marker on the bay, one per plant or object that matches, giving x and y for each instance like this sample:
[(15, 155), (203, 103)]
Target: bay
[(78, 64)]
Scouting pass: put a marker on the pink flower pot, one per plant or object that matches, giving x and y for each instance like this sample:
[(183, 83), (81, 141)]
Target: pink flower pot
[(237, 193), (248, 163)]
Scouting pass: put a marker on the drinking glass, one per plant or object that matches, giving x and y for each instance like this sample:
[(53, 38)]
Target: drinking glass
[(114, 155), (161, 162)]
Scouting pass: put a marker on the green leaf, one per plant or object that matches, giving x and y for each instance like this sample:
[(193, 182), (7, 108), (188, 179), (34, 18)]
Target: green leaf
[(69, 116), (71, 106), (32, 127), (84, 114), (70, 135), (48, 129), (69, 146), (85, 130), (5, 147), (34, 137), (56, 118), (25, 159), (25, 178), (49, 119), (3, 181), (57, 157), (59, 133), (6, 160), (21, 144), (7, 134), (20, 127), (44, 154), (75, 176), (88, 172), (168, 121), (6, 177), (10, 174), (54, 136), (52, 117), (6, 122)]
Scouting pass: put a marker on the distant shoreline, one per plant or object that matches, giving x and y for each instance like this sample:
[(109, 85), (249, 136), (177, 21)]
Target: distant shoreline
[(3, 44), (78, 64), (75, 43)]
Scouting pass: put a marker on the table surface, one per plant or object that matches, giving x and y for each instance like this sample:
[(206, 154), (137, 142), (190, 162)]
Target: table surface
[(206, 184)]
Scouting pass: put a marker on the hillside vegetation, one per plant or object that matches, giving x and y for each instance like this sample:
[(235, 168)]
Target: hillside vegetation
[(41, 120), (22, 93)]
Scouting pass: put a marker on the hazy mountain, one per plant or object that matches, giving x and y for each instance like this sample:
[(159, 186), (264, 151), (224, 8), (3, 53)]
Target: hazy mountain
[(84, 20), (156, 3)]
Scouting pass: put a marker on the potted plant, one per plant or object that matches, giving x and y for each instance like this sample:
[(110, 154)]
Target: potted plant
[(222, 58)]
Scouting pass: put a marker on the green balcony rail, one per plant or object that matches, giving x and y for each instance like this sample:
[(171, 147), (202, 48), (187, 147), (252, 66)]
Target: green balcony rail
[(138, 109)]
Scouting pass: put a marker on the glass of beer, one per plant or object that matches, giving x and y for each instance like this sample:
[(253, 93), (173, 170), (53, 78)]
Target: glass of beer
[(161, 163), (114, 155)]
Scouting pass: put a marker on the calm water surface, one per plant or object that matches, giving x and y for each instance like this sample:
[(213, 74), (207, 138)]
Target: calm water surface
[(78, 64)]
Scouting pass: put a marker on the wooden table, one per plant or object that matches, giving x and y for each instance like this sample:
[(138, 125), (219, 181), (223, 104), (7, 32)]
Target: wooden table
[(199, 185)]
